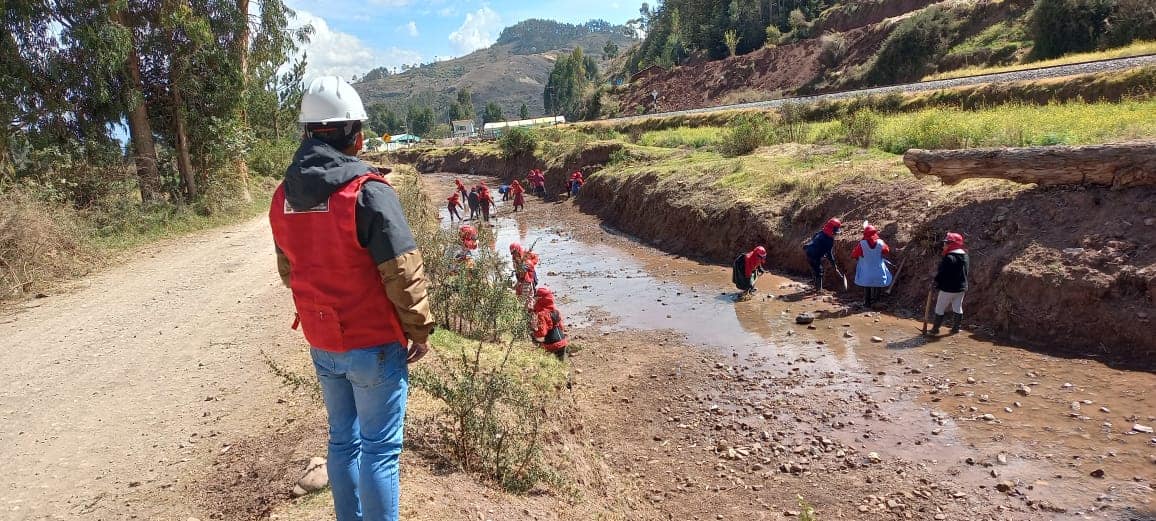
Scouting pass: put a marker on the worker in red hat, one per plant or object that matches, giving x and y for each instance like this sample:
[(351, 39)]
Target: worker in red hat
[(453, 202), (822, 246), (871, 271), (951, 280), (747, 268), (525, 264), (549, 331)]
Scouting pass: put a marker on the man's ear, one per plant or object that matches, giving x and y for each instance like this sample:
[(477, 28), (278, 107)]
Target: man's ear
[(359, 143)]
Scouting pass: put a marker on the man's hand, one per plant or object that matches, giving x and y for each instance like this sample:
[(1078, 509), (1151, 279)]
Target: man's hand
[(416, 351)]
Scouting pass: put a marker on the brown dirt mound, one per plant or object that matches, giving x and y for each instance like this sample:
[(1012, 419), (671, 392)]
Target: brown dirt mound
[(777, 71)]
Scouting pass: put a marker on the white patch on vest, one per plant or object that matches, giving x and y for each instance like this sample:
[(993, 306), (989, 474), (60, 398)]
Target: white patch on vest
[(321, 208)]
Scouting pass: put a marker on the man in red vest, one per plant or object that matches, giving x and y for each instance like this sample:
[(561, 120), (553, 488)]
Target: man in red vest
[(346, 251)]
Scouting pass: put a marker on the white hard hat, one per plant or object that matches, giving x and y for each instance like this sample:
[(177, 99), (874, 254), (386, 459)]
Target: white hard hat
[(331, 99)]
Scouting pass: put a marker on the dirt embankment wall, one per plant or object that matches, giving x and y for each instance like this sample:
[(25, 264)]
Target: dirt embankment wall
[(1066, 268), (469, 161)]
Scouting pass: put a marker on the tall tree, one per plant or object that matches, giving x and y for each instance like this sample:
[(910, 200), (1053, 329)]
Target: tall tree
[(143, 145), (492, 113)]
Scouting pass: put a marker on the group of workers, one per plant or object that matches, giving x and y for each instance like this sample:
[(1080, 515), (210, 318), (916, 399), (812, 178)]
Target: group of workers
[(872, 269), (547, 328), (479, 200)]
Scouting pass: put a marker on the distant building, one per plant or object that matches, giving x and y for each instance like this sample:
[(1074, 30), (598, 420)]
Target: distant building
[(397, 142), (496, 128), (464, 128), (402, 141)]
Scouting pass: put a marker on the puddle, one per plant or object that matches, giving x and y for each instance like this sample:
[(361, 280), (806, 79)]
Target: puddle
[(1076, 419)]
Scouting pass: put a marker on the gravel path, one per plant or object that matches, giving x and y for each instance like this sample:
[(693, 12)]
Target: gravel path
[(1003, 77)]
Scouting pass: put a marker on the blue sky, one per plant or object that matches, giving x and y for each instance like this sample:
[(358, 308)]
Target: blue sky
[(355, 36)]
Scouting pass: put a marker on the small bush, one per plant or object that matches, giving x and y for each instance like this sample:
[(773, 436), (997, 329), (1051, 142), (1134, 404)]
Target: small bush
[(912, 49), (518, 142), (495, 402), (793, 122), (495, 388), (860, 127), (1131, 20), (745, 134), (774, 35), (268, 158), (800, 27), (1059, 27), (41, 242), (833, 49)]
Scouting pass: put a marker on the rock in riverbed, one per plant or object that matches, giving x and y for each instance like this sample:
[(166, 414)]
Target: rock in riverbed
[(804, 318)]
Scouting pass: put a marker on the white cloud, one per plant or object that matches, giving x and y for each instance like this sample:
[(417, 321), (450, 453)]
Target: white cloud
[(410, 29), (334, 52), (479, 30)]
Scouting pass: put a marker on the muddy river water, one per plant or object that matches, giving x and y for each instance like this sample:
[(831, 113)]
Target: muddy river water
[(1070, 430)]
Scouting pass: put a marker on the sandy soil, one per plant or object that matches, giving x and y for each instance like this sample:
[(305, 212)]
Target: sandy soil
[(120, 390)]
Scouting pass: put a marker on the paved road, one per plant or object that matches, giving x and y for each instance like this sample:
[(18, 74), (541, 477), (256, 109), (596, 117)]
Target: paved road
[(1029, 74)]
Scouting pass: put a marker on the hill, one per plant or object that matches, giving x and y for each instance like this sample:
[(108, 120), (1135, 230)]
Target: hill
[(829, 45), (511, 72)]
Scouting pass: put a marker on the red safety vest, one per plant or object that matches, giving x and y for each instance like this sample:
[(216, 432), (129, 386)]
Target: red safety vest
[(341, 303)]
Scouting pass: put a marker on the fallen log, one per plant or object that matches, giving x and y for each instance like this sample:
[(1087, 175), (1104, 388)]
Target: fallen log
[(1119, 165)]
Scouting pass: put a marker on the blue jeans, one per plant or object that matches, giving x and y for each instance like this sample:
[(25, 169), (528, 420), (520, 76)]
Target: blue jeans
[(365, 392)]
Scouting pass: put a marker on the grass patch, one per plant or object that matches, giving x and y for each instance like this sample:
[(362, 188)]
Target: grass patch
[(789, 172), (682, 137), (1135, 49), (1018, 125), (1001, 34)]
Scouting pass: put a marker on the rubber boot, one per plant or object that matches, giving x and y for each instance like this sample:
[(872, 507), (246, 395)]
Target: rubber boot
[(935, 325), (956, 320), (867, 297), (818, 281)]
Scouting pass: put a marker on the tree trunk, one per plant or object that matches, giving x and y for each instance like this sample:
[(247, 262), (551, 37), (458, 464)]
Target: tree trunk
[(241, 48), (1119, 165), (144, 149), (184, 162)]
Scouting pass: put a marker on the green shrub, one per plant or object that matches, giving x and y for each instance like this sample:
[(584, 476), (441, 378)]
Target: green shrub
[(269, 158), (495, 388), (745, 134), (833, 49), (518, 142), (1131, 20), (911, 51), (774, 35), (1059, 27), (860, 127), (792, 122), (495, 402)]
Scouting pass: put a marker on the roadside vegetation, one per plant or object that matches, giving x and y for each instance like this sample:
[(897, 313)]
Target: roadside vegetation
[(496, 392), (135, 125)]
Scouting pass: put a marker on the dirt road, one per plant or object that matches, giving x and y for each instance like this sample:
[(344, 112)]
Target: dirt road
[(117, 392)]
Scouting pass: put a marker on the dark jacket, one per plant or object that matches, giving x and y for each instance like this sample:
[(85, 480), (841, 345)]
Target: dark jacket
[(316, 172), (952, 275), (820, 246)]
